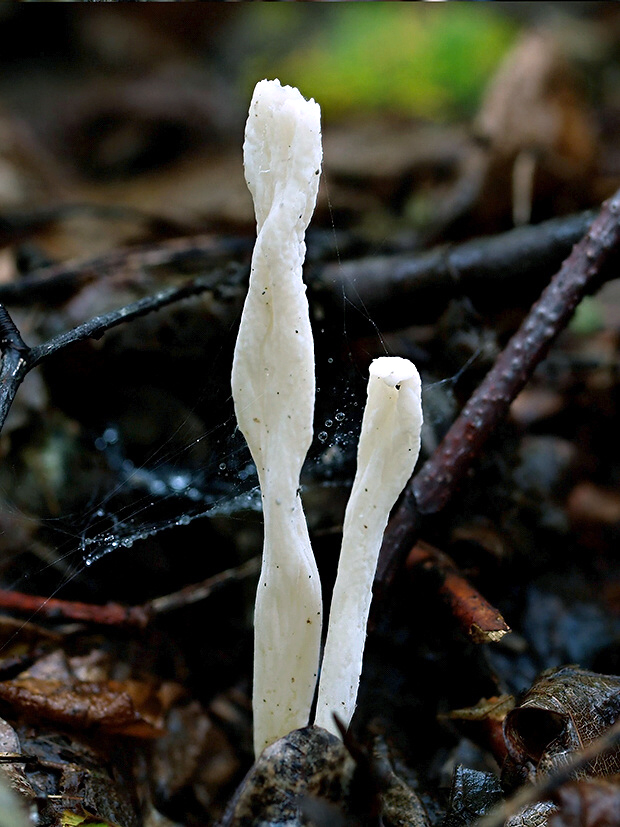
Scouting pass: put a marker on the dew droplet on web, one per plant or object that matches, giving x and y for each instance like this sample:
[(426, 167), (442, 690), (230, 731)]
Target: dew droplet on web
[(248, 471), (178, 482), (158, 487), (110, 435)]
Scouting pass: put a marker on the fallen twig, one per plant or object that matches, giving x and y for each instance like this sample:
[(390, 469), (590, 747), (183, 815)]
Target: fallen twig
[(116, 614), (431, 488), (397, 289), (199, 591), (475, 615), (18, 358), (110, 614), (404, 289)]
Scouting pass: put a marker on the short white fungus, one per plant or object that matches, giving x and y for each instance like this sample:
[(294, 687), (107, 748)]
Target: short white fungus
[(387, 452)]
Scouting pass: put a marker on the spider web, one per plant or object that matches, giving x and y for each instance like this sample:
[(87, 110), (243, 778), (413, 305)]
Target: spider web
[(165, 493)]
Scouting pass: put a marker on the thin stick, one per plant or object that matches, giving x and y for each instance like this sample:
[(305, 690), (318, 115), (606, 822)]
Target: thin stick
[(110, 614), (200, 591), (18, 358), (116, 614), (473, 613), (429, 490)]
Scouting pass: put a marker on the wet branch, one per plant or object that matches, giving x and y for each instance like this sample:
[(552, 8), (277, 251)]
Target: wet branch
[(109, 614), (18, 358), (14, 364), (397, 289), (116, 614), (433, 486), (472, 612), (405, 289), (57, 282)]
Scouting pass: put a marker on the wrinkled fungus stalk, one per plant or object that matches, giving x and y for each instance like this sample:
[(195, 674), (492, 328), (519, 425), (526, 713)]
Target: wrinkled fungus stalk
[(273, 390), (387, 452)]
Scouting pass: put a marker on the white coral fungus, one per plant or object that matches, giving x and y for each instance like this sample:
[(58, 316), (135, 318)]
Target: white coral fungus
[(273, 390), (387, 452)]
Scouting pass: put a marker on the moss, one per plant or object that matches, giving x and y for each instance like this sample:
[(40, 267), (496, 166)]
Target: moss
[(424, 60)]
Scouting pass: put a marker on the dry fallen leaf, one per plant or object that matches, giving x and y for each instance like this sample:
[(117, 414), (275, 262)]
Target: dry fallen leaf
[(591, 802), (565, 710), (51, 691)]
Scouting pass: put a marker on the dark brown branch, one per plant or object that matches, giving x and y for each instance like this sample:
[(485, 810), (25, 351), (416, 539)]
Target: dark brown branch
[(405, 289), (579, 274), (110, 614), (115, 614), (430, 489), (56, 282), (397, 289), (18, 359)]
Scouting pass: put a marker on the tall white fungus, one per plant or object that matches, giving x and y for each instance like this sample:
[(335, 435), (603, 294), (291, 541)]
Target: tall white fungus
[(273, 390), (387, 452)]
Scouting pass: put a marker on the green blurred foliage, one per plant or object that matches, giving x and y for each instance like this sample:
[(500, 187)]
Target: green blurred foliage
[(426, 60), (588, 318)]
